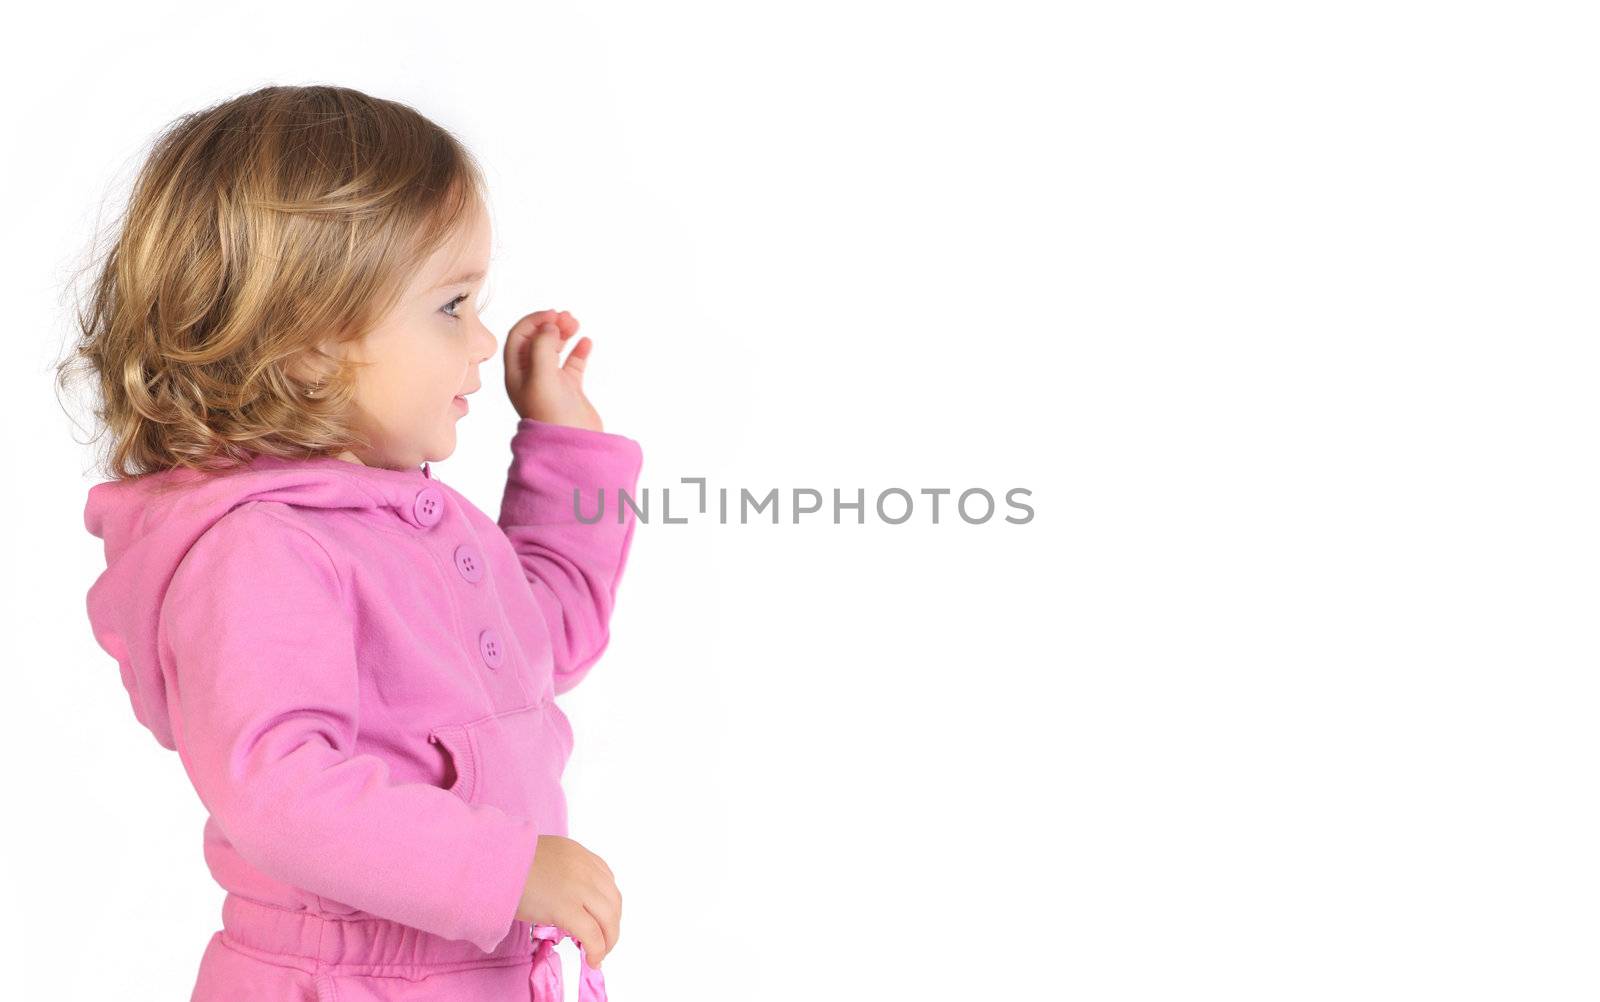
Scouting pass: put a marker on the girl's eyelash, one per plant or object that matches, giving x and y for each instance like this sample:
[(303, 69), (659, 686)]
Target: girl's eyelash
[(445, 309)]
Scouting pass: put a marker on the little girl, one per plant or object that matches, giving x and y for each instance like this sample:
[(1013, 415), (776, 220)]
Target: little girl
[(356, 666)]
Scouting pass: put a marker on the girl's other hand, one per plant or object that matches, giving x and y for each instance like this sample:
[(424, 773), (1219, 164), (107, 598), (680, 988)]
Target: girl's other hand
[(540, 385), (571, 887)]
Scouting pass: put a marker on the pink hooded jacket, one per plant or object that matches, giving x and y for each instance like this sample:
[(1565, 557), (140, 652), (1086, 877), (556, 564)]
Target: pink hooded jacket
[(357, 667)]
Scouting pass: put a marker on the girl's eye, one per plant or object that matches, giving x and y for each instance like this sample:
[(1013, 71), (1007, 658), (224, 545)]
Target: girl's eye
[(447, 307)]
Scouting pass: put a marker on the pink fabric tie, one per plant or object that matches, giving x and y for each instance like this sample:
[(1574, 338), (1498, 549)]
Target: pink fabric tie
[(546, 974)]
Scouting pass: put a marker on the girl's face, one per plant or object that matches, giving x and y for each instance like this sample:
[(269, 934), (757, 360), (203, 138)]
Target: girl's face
[(423, 358)]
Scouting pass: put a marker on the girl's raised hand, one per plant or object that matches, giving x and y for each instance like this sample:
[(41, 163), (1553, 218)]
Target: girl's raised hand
[(540, 385)]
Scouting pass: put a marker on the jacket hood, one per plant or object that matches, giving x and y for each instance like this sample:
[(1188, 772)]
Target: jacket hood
[(149, 523)]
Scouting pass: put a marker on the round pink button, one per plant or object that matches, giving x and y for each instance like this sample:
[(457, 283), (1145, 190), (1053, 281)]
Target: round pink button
[(489, 647), (429, 506), (469, 562)]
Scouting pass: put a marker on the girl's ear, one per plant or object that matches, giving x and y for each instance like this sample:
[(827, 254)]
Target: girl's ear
[(313, 366)]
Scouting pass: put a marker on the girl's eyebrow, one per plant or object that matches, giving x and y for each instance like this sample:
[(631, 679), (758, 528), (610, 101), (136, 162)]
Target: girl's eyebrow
[(471, 276)]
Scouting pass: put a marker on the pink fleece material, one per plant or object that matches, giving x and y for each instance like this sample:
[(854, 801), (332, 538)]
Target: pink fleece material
[(357, 669)]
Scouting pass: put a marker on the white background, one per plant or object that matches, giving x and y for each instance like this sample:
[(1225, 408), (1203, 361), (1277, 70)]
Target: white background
[(1285, 314)]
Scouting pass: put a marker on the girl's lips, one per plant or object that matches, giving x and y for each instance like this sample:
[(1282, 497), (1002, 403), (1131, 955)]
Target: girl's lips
[(463, 402)]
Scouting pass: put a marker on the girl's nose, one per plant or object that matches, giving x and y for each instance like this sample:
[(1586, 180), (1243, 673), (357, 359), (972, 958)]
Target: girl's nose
[(488, 344)]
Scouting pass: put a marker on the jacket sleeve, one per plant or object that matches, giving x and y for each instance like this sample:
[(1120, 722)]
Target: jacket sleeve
[(263, 658), (573, 565)]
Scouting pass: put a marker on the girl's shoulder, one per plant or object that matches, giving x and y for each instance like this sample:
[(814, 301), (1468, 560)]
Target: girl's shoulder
[(260, 536)]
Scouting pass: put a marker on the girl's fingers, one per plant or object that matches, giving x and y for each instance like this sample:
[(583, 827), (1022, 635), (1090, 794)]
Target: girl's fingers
[(610, 919), (517, 351), (535, 343), (592, 936), (546, 352), (604, 905), (530, 324), (578, 358)]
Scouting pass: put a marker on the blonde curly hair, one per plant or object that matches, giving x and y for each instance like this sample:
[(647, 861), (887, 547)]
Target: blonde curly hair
[(257, 230)]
